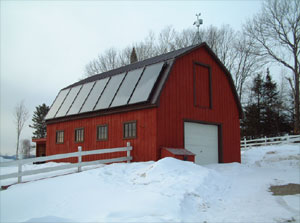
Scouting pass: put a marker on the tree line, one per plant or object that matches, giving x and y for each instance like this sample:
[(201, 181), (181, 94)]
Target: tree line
[(271, 37), (232, 48), (265, 114)]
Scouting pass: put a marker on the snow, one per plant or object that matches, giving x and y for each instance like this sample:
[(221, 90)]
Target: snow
[(168, 190), (25, 167), (4, 160)]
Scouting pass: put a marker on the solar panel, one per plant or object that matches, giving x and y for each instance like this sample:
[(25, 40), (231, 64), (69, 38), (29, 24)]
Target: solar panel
[(57, 103), (68, 101), (110, 91), (146, 83), (95, 93), (77, 104), (127, 87)]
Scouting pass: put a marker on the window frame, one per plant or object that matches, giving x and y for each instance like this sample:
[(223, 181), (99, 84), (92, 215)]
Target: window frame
[(63, 137), (126, 124), (78, 129), (196, 63), (97, 132)]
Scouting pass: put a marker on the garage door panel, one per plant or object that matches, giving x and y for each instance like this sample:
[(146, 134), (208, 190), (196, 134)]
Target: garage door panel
[(202, 157), (202, 140)]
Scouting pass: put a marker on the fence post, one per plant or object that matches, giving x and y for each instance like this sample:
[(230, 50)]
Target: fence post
[(287, 138), (128, 152), (79, 158), (245, 143), (265, 140), (19, 172)]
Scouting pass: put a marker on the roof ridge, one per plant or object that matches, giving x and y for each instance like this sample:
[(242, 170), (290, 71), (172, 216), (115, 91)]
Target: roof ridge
[(164, 54)]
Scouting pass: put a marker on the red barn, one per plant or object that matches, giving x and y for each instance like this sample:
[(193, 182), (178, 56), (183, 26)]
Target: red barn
[(181, 99)]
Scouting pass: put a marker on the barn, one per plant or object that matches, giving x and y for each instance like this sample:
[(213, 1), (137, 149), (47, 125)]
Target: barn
[(182, 102)]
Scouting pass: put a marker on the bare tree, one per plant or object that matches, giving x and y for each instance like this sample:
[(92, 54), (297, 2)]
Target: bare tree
[(235, 51), (26, 147), (147, 48), (244, 63), (124, 56), (232, 48), (166, 40), (276, 32), (104, 62), (21, 115), (184, 38), (92, 68), (113, 58), (221, 41), (109, 60)]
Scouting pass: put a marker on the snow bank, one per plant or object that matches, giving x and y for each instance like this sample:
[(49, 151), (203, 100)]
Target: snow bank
[(179, 178), (4, 160), (151, 191), (50, 219), (183, 184), (279, 155), (168, 190)]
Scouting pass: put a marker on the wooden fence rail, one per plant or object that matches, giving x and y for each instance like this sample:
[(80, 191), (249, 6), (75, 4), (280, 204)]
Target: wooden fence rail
[(246, 144), (78, 165)]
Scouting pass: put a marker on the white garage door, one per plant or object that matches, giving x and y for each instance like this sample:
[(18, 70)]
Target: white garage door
[(202, 140)]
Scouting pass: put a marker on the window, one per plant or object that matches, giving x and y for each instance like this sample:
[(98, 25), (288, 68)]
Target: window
[(129, 130), (79, 134), (102, 132), (60, 136)]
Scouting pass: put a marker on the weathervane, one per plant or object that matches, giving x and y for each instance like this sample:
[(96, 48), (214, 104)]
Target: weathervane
[(197, 23)]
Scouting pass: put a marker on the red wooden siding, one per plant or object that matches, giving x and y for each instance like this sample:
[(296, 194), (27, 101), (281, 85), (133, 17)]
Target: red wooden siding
[(201, 86), (177, 104), (144, 145)]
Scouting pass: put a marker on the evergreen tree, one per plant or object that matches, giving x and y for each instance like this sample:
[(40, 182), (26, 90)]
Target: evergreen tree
[(275, 121), (263, 116), (133, 56), (252, 122), (271, 106), (38, 120)]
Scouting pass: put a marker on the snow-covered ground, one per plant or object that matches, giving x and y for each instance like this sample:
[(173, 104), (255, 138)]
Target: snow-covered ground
[(5, 160), (168, 190)]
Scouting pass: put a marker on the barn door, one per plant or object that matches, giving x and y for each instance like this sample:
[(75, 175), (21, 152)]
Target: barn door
[(202, 140), (41, 150)]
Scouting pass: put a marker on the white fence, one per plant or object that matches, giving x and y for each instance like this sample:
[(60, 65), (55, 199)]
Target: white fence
[(246, 144), (78, 165)]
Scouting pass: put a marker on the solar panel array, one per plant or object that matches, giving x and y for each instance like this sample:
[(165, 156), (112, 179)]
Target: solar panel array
[(126, 88)]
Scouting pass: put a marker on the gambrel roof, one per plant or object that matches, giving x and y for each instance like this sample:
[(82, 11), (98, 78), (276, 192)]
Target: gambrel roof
[(134, 86)]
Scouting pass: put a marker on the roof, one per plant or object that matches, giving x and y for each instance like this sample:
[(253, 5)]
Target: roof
[(137, 85), (179, 151), (39, 140)]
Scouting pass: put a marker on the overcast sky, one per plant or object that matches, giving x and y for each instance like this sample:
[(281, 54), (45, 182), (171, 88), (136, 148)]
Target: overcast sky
[(45, 45)]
